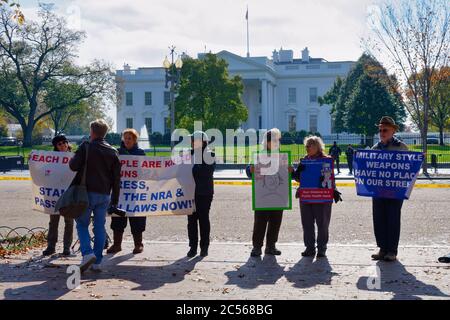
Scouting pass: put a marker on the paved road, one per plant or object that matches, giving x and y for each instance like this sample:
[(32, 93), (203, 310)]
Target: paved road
[(163, 272), (426, 217)]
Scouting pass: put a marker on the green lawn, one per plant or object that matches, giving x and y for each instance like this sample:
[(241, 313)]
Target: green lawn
[(242, 154)]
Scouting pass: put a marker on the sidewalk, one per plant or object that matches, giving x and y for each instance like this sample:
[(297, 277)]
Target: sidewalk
[(163, 272)]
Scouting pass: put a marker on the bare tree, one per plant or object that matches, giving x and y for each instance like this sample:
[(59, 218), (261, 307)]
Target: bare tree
[(35, 54), (414, 37)]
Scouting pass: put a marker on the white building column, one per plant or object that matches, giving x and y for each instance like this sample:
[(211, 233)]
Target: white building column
[(264, 105), (269, 105), (274, 110)]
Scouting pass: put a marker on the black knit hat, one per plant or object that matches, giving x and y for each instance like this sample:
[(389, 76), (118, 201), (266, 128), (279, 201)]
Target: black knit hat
[(58, 139)]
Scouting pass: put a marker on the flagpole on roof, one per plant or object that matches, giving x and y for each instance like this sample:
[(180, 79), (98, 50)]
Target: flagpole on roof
[(248, 35)]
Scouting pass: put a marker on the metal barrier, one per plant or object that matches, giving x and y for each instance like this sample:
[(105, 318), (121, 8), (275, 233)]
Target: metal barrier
[(21, 237)]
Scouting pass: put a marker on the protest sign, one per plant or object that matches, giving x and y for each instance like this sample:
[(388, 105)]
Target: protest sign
[(51, 176), (317, 181), (149, 186), (386, 174), (271, 181)]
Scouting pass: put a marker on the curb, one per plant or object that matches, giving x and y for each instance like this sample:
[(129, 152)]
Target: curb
[(249, 183)]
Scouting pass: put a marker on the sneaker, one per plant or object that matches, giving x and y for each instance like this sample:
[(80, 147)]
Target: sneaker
[(48, 252), (390, 256), (379, 256), (321, 254), (192, 253), (66, 252), (204, 252), (309, 253), (96, 267), (272, 251), (87, 261), (256, 252)]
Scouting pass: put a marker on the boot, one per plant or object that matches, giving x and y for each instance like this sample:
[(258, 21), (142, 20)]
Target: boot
[(379, 256), (117, 246), (138, 246), (272, 251), (49, 251), (192, 252)]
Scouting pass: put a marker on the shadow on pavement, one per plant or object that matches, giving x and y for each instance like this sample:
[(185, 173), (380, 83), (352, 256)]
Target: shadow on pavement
[(307, 273), (394, 278), (53, 285), (256, 272)]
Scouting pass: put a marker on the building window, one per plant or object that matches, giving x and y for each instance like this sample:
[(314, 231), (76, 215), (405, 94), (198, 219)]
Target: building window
[(166, 125), (292, 123), (313, 95), (260, 96), (148, 125), (148, 98), (166, 98), (129, 98), (129, 122), (259, 122), (292, 95), (313, 123)]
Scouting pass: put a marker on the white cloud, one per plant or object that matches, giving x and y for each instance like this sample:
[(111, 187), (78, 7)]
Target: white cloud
[(139, 32)]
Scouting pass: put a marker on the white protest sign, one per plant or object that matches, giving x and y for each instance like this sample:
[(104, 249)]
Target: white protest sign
[(150, 186), (271, 185), (51, 176)]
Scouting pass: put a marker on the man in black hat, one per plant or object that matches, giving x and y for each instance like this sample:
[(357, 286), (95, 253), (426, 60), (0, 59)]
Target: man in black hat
[(387, 212)]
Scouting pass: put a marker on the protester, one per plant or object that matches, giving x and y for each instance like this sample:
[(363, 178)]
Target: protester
[(387, 212), (61, 144), (203, 171), (103, 187), (349, 153), (129, 146), (267, 220), (335, 153), (314, 213)]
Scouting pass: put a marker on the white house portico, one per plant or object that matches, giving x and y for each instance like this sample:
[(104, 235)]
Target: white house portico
[(280, 92)]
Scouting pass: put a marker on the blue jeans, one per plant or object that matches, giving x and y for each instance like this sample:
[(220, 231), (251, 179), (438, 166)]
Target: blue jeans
[(98, 204)]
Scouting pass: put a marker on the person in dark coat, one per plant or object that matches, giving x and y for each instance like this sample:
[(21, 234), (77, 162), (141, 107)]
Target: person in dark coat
[(103, 189), (203, 172), (61, 144), (349, 153), (267, 220), (387, 212), (335, 153), (129, 146)]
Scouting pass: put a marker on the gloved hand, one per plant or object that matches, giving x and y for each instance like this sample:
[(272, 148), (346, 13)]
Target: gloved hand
[(117, 211), (301, 167), (337, 196)]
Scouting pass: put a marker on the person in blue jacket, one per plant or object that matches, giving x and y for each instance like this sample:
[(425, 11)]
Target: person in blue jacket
[(129, 146)]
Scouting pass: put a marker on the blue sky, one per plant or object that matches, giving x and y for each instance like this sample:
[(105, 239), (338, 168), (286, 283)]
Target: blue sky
[(138, 32)]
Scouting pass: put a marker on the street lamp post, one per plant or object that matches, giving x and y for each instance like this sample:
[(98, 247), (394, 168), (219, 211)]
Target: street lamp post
[(173, 72)]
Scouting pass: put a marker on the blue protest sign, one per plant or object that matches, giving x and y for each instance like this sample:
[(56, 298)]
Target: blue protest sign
[(317, 181), (386, 174)]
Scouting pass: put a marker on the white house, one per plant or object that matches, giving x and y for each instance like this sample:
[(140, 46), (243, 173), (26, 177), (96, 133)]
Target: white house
[(280, 92)]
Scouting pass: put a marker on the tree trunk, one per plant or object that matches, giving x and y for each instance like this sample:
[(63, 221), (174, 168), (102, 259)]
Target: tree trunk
[(28, 135), (441, 135)]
